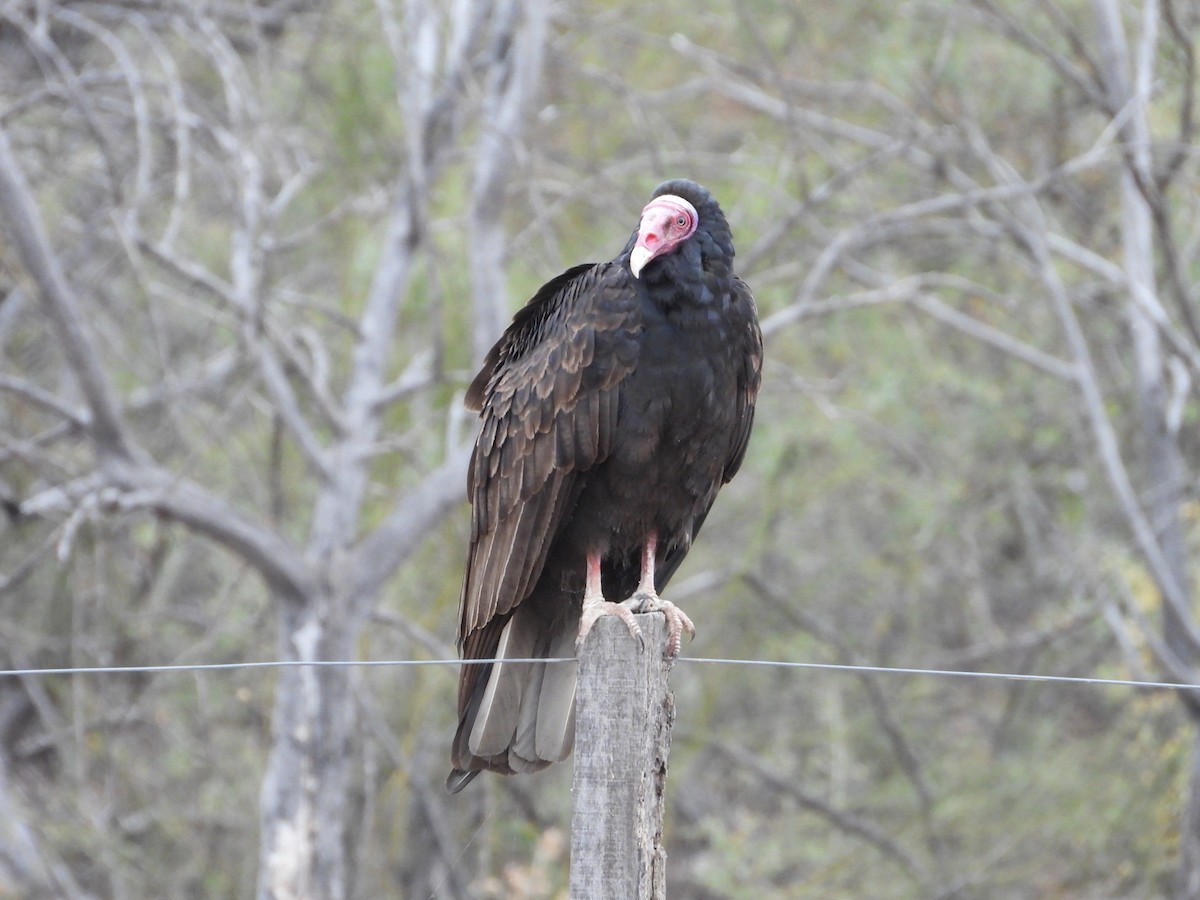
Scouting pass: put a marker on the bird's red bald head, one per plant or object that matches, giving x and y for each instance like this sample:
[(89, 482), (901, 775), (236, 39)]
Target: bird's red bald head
[(667, 221)]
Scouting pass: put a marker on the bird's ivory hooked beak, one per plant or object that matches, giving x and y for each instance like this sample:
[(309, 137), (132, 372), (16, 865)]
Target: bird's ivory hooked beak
[(638, 258)]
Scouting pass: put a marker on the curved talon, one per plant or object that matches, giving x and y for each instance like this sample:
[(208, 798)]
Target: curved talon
[(677, 623), (593, 610), (677, 620)]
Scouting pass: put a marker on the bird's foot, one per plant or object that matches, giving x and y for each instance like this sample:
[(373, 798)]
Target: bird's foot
[(677, 620), (593, 609)]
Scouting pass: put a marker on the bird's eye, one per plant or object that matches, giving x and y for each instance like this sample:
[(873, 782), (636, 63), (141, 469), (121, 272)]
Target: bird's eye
[(681, 221)]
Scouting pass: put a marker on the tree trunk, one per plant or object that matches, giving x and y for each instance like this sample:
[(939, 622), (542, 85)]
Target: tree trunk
[(1162, 461), (309, 802), (308, 789), (1188, 884)]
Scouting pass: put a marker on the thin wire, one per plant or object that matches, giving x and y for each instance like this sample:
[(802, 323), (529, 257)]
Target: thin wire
[(767, 663), (952, 673)]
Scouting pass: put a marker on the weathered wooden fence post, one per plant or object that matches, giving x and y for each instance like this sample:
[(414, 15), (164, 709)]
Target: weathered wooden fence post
[(623, 716)]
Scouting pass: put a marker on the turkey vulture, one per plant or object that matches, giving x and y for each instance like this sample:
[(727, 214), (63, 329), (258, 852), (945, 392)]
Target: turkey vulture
[(614, 407)]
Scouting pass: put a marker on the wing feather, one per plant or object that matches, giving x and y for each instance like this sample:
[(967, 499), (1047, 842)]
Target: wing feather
[(548, 396), (748, 350)]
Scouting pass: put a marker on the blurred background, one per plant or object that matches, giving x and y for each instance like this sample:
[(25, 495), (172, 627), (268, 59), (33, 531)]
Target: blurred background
[(252, 254)]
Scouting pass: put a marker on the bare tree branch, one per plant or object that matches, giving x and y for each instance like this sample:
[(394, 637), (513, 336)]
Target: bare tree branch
[(378, 556), (1123, 89), (994, 337), (39, 41), (516, 48), (47, 401), (28, 234), (900, 744), (1187, 123), (851, 824), (284, 401), (126, 487), (24, 868), (1107, 445), (1014, 28), (186, 502)]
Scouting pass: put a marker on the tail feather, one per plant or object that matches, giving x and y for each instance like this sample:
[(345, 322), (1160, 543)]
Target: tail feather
[(458, 779), (522, 752), (556, 705), (521, 716), (496, 720)]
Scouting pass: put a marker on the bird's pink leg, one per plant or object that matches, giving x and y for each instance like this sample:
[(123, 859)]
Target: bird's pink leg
[(595, 606), (645, 599), (649, 551)]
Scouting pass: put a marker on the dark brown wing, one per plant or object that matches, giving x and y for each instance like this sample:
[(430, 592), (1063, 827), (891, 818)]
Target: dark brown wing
[(548, 396), (747, 352)]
